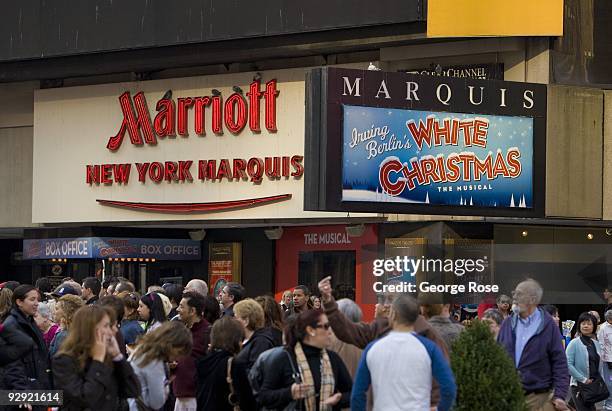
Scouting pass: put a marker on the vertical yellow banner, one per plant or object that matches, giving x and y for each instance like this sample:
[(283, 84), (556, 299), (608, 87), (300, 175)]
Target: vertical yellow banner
[(475, 18)]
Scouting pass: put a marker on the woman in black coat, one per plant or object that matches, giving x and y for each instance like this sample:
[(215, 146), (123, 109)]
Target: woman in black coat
[(13, 345), (213, 390), (305, 372), (32, 369), (89, 366)]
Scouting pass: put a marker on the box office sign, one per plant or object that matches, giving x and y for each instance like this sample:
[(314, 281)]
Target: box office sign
[(396, 142), (110, 247), (215, 147)]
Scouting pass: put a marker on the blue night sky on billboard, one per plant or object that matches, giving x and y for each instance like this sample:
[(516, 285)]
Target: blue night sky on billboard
[(373, 137)]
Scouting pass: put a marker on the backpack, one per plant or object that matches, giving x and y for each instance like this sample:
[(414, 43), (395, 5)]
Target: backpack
[(256, 373)]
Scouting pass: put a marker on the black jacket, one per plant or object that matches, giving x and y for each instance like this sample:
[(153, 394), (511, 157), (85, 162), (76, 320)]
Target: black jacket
[(212, 387), (32, 370), (261, 340), (275, 390), (13, 345), (98, 387)]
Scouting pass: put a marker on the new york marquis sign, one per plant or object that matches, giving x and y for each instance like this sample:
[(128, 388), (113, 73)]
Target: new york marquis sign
[(406, 143)]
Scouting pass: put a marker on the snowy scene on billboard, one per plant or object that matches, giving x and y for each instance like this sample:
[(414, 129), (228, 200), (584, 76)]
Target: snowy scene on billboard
[(438, 158)]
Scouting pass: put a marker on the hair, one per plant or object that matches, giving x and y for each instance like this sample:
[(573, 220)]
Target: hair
[(296, 331), (405, 309), (430, 310), (70, 304), (44, 285), (21, 291), (252, 311), (6, 302), (227, 334), (93, 284), (154, 303), (236, 290), (550, 309), (158, 344), (198, 286), (272, 312), (130, 300), (124, 286), (44, 309), (77, 287), (493, 314), (503, 298), (350, 309), (174, 292), (109, 281), (534, 290), (212, 311), (82, 335), (305, 289), (155, 289), (583, 318), (608, 315), (285, 293), (196, 301), (115, 303), (11, 285)]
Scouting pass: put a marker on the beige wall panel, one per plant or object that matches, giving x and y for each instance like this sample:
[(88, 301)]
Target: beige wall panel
[(607, 161), (16, 181), (17, 104), (574, 151)]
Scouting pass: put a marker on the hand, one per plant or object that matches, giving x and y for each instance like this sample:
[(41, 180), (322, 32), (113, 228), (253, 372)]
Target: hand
[(325, 289), (296, 391), (98, 350), (381, 311), (588, 381), (333, 400), (559, 404), (113, 347)]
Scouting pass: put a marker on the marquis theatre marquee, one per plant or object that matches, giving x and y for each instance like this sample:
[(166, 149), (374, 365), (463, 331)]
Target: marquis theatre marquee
[(214, 147), (406, 143)]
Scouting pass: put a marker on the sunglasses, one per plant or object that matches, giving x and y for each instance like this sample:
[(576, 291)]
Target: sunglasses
[(325, 326)]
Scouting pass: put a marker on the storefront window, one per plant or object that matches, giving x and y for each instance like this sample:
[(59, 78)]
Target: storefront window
[(340, 265)]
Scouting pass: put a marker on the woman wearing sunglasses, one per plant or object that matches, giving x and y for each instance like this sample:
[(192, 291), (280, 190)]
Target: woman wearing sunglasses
[(309, 374)]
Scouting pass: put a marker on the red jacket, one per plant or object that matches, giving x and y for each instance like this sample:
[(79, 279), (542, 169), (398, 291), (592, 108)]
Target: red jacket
[(184, 384)]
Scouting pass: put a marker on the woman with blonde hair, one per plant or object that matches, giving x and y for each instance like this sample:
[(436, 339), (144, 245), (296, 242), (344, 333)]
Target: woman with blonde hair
[(258, 339), (166, 343), (65, 308), (89, 366)]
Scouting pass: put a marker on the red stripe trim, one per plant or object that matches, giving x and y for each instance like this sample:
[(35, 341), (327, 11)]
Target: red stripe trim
[(196, 207)]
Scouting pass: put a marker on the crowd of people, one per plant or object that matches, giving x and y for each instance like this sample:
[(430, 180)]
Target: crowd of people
[(109, 348)]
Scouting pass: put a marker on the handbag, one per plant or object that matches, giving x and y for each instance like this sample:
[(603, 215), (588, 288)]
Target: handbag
[(295, 374), (594, 392), (232, 398)]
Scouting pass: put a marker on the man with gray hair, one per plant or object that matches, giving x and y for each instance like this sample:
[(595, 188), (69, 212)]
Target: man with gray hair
[(604, 336), (198, 286), (383, 366), (531, 339)]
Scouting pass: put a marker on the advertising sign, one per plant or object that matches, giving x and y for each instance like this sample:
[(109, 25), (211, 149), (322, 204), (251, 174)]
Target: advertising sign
[(105, 247), (406, 143), (426, 157)]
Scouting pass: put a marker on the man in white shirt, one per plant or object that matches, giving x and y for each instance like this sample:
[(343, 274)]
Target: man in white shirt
[(395, 386), (604, 335)]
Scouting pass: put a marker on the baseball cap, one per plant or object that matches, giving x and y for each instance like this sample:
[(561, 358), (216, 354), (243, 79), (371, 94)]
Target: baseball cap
[(63, 290)]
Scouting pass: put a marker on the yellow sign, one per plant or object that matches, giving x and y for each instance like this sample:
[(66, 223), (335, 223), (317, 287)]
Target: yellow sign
[(475, 18)]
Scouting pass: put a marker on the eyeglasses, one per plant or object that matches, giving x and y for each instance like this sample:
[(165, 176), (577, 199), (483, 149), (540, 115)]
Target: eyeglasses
[(324, 326)]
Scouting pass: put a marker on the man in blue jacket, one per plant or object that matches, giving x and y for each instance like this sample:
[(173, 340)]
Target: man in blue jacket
[(531, 339), (400, 366)]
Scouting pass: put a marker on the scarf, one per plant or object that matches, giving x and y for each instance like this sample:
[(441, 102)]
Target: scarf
[(327, 379)]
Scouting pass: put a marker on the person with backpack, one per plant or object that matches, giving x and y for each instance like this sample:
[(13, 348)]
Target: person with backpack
[(166, 343), (215, 372), (306, 374)]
